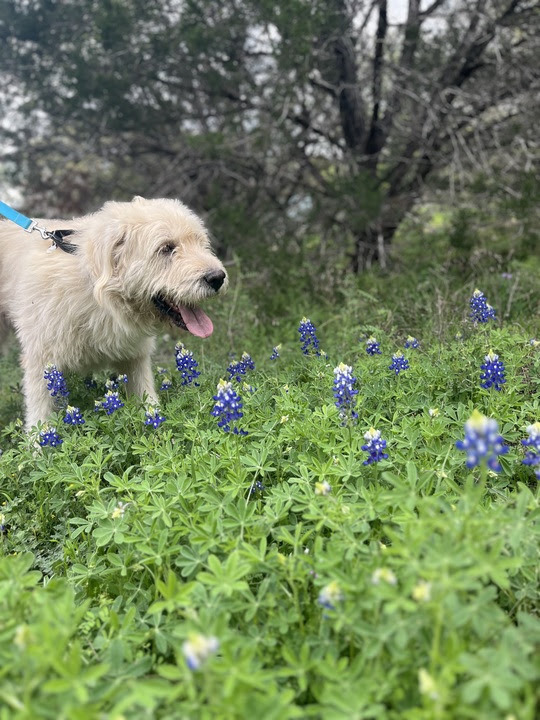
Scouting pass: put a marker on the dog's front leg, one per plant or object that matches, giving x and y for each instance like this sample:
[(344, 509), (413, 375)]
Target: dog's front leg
[(39, 403), (141, 379)]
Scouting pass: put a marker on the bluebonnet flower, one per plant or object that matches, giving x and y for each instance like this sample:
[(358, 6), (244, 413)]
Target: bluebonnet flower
[(73, 416), (275, 352), (198, 648), (3, 526), (153, 418), (257, 487), (411, 342), (383, 575), (308, 337), (186, 365), (56, 383), (534, 342), (372, 346), (90, 383), (119, 510), (481, 311), (111, 403), (49, 436), (532, 456), (330, 595), (399, 363), (228, 407), (374, 446), (345, 392), (493, 372), (166, 383), (114, 382), (482, 442), (237, 369), (323, 488)]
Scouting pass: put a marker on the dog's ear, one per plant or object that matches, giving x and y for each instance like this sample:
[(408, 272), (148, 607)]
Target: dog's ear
[(105, 255), (137, 199)]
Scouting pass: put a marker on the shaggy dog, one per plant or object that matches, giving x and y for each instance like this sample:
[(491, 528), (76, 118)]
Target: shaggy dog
[(137, 264)]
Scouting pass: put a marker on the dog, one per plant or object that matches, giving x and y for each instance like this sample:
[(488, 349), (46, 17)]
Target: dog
[(137, 265)]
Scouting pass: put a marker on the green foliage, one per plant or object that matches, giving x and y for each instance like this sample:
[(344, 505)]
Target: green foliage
[(124, 540)]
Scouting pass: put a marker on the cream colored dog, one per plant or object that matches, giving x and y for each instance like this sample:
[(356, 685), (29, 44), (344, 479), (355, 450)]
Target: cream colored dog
[(137, 264)]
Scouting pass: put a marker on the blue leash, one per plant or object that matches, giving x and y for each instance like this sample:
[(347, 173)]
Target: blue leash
[(17, 217), (28, 225)]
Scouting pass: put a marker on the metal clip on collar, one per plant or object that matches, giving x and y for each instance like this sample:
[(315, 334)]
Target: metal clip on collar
[(45, 234)]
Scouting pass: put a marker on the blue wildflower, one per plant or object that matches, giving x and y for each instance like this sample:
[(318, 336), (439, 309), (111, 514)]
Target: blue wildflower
[(345, 392), (411, 342), (372, 346), (493, 372), (73, 416), (111, 403), (481, 311), (482, 442), (198, 648), (166, 383), (186, 365), (374, 446), (49, 436), (114, 382), (275, 352), (308, 337), (153, 417), (399, 363), (532, 457), (330, 595), (256, 488), (56, 383), (237, 369), (228, 407)]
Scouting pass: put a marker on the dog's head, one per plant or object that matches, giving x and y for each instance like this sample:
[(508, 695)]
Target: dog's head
[(154, 257)]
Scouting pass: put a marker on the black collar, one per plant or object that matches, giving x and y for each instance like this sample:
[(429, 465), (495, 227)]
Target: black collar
[(57, 236)]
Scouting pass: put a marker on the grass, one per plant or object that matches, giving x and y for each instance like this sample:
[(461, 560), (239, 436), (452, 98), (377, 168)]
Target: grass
[(124, 541)]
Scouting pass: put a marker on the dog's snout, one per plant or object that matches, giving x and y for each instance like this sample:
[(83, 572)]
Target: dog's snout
[(215, 278)]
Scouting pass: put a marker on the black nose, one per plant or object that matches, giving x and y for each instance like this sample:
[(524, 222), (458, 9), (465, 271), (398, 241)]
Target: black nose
[(215, 278)]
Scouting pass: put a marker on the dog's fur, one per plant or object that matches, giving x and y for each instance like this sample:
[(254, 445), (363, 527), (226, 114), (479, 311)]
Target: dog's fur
[(94, 309)]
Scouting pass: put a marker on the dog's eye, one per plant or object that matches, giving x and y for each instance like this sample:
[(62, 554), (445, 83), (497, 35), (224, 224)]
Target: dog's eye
[(167, 249)]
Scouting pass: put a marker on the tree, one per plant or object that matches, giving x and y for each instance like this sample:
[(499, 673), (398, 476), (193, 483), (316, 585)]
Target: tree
[(276, 117)]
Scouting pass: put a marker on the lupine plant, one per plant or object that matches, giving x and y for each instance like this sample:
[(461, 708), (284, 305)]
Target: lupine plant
[(238, 369), (153, 417), (110, 403), (198, 648), (147, 573), (73, 416), (481, 310), (411, 342), (532, 443), (186, 365), (399, 363), (49, 436), (345, 392), (493, 375), (373, 347), (483, 442), (56, 383), (374, 446), (228, 408), (308, 337)]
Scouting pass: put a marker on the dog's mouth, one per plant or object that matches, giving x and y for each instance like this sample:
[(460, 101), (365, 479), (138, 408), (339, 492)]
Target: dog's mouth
[(192, 319)]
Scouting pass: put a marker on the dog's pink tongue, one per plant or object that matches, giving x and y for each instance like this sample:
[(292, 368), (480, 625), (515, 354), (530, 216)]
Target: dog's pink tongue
[(197, 322)]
